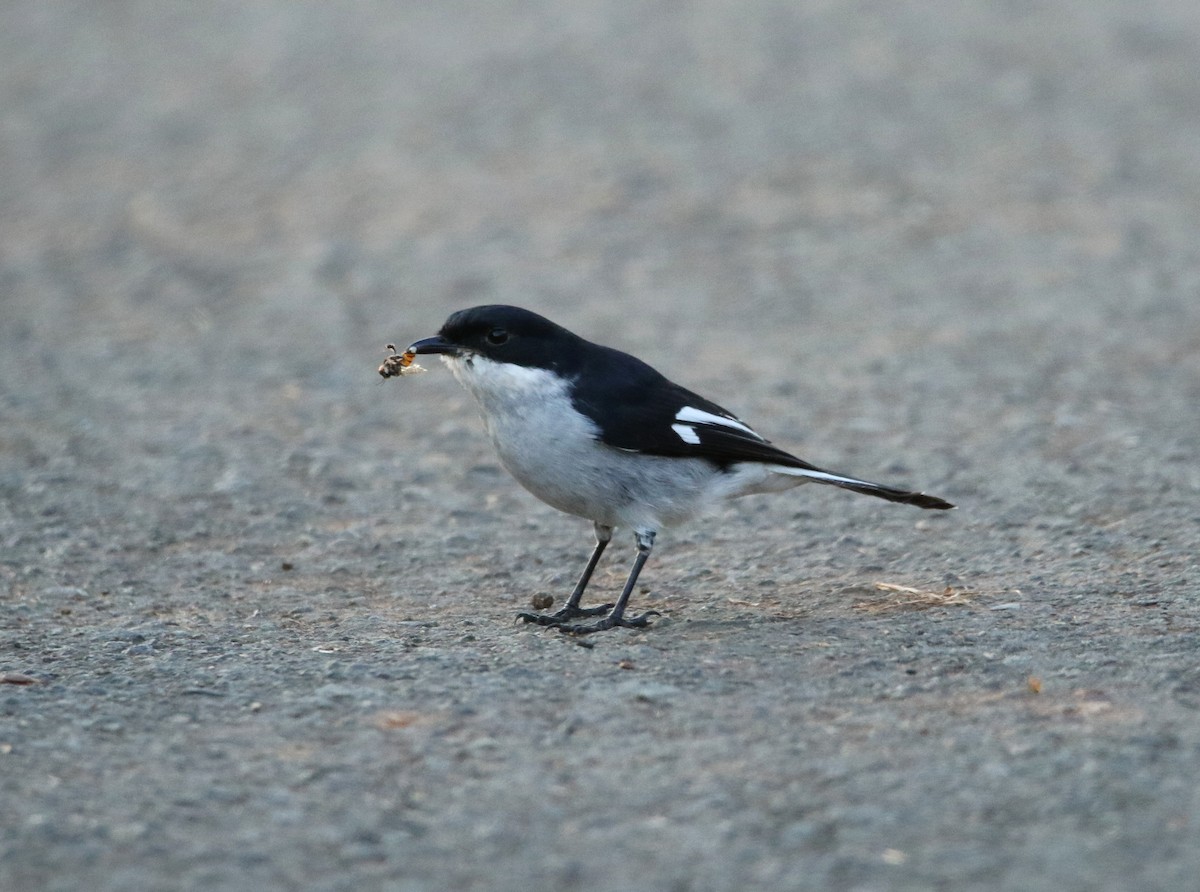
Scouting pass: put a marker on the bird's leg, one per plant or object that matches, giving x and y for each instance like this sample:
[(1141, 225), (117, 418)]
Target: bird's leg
[(645, 542), (571, 609)]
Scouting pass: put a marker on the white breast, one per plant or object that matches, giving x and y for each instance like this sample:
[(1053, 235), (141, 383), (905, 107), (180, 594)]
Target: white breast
[(555, 452)]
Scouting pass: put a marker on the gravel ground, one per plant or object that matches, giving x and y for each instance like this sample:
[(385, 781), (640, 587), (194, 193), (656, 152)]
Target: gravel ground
[(258, 605)]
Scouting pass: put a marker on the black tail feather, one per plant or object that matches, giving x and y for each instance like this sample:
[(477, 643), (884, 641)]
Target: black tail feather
[(903, 496)]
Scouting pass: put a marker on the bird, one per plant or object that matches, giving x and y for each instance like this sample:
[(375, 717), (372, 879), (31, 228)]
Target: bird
[(600, 434)]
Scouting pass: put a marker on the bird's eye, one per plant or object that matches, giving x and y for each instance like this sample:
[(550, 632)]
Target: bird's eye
[(497, 336)]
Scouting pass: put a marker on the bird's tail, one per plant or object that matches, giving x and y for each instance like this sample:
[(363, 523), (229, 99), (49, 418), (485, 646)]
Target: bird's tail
[(866, 487)]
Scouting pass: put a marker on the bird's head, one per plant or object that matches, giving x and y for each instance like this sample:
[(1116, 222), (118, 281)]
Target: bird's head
[(502, 334)]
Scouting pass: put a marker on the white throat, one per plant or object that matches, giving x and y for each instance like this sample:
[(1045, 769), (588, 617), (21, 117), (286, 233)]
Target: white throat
[(497, 385)]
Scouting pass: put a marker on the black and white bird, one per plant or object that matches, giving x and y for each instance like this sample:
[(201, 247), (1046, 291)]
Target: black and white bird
[(600, 434)]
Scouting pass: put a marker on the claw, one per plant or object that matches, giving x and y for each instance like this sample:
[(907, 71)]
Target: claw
[(561, 616), (609, 622)]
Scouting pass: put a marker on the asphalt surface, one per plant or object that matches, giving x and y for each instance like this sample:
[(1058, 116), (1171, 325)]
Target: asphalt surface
[(257, 605)]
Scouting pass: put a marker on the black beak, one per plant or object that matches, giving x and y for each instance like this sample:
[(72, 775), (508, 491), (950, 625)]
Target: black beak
[(435, 344)]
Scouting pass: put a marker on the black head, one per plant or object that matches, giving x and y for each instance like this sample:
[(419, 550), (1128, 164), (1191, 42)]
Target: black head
[(504, 334)]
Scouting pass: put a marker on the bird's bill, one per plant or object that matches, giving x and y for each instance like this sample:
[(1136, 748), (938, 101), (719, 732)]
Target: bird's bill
[(435, 344)]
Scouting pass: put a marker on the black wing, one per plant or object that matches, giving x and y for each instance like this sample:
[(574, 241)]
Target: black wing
[(636, 408)]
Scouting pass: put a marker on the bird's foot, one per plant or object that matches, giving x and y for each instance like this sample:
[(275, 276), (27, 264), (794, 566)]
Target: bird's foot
[(561, 616), (609, 622)]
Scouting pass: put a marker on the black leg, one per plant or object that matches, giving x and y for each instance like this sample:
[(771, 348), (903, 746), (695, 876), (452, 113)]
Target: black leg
[(571, 609), (645, 542)]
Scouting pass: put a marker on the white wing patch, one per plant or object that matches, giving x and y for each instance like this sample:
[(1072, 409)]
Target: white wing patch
[(699, 416), (687, 433)]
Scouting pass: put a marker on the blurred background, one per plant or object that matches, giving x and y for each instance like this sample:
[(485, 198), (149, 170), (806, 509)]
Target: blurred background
[(903, 238), (268, 192)]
